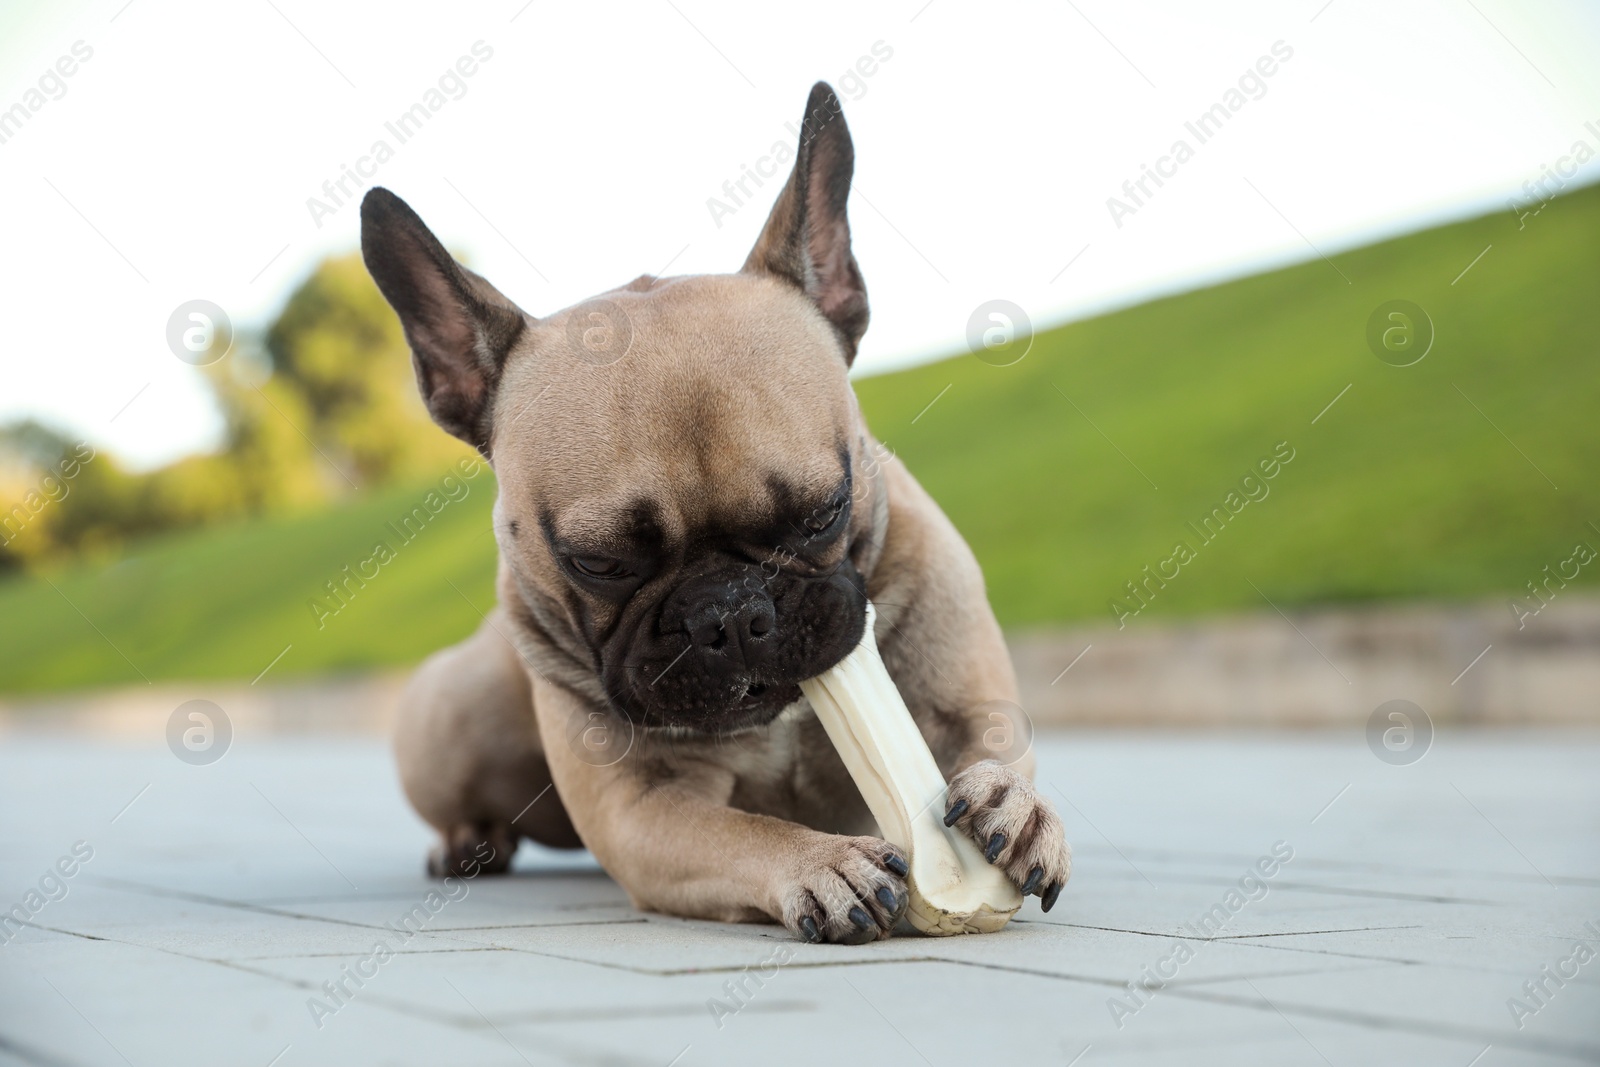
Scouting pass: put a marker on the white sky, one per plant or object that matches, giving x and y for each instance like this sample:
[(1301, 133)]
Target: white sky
[(986, 148)]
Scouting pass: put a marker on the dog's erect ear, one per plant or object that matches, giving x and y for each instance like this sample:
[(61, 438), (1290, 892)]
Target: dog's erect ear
[(807, 236), (460, 327)]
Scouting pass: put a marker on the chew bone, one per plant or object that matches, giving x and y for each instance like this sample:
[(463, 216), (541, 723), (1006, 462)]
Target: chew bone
[(954, 890)]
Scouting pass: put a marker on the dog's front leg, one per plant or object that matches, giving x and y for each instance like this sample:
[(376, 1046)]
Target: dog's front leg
[(660, 823), (992, 796)]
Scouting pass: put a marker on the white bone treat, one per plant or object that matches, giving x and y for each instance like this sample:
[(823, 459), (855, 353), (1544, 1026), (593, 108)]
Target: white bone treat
[(954, 890)]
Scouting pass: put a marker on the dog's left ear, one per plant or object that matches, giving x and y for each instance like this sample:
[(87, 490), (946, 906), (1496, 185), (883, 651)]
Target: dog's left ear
[(807, 236)]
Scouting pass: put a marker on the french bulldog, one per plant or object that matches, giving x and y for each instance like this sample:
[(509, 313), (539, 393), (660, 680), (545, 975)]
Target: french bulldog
[(691, 519)]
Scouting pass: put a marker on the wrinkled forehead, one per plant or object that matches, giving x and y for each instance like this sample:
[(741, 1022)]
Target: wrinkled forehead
[(730, 404)]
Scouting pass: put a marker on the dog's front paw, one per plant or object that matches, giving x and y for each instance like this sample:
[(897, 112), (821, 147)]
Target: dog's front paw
[(1016, 829), (847, 890)]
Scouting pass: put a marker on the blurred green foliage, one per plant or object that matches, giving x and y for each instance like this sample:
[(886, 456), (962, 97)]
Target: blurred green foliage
[(1461, 476), (338, 412)]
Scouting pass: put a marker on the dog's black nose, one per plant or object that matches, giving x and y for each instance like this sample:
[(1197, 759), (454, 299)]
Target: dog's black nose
[(724, 612)]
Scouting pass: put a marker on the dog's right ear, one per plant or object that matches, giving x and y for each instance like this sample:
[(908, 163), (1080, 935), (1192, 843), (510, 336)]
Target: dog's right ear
[(807, 237), (460, 327)]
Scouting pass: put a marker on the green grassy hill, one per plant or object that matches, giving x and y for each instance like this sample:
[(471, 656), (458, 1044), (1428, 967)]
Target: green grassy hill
[(224, 603), (1463, 475), (1402, 489)]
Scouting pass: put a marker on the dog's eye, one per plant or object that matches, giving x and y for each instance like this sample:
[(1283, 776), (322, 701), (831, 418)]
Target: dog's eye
[(822, 522), (597, 567)]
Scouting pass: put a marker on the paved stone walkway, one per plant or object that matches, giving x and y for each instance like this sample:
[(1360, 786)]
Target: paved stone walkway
[(216, 902)]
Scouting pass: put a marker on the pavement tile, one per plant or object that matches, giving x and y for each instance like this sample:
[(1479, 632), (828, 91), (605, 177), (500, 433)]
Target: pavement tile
[(221, 898), (1429, 1001)]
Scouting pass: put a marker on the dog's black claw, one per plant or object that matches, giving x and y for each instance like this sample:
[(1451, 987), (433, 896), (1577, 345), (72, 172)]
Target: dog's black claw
[(1048, 899), (861, 919), (996, 843), (958, 809), (897, 863), (887, 898), (808, 926), (1035, 876)]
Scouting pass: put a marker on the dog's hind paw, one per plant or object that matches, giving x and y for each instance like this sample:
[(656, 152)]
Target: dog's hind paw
[(1015, 827), (470, 850)]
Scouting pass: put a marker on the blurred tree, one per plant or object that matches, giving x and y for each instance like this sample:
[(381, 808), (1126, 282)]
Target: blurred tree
[(58, 495), (340, 345), (327, 405)]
